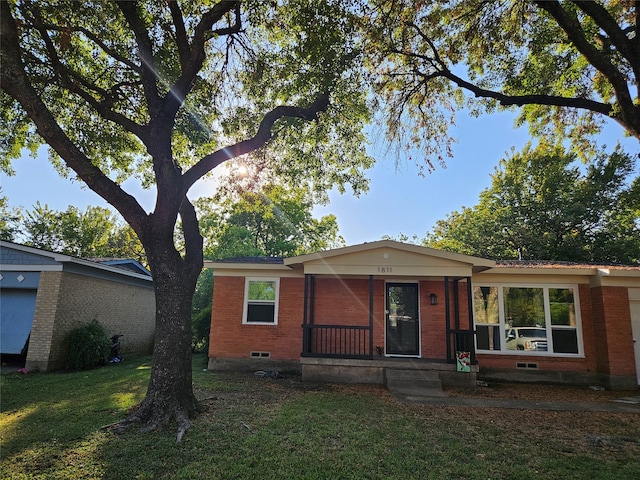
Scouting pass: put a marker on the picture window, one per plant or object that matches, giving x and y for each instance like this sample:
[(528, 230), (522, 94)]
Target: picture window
[(527, 319)]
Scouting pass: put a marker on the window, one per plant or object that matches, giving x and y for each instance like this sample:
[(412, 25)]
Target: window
[(487, 318), (529, 319), (261, 301)]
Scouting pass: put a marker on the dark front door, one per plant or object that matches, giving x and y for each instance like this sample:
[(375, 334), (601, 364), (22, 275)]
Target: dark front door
[(402, 325)]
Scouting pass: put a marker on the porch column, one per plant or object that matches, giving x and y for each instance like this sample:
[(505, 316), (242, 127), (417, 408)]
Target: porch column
[(456, 304), (307, 318), (472, 328), (371, 315), (447, 315)]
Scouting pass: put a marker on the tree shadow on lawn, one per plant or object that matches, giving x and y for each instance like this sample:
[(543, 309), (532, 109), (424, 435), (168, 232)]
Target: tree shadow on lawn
[(286, 428), (260, 427)]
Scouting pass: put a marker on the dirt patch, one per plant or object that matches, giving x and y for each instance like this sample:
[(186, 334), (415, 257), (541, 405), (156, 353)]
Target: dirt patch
[(250, 403), (540, 392), (248, 382)]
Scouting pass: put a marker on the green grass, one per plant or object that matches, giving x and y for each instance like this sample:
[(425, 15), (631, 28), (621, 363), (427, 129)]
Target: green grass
[(259, 428)]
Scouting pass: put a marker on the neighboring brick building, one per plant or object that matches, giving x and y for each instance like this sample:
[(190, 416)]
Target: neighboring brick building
[(43, 295), (345, 314)]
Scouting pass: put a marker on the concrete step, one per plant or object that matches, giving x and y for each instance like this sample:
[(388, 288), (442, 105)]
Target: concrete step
[(421, 383)]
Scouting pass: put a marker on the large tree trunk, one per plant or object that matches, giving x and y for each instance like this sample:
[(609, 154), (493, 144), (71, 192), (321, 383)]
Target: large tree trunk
[(170, 394)]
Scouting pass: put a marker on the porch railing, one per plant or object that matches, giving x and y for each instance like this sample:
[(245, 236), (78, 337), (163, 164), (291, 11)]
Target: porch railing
[(336, 341), (461, 341)]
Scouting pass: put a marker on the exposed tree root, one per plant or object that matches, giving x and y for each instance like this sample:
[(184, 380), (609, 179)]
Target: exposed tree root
[(151, 418), (184, 423)]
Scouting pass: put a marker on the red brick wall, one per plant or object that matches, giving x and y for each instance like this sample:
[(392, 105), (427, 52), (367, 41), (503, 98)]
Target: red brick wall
[(614, 338), (336, 302), (433, 317), (432, 320), (589, 337), (341, 302), (346, 302), (230, 338)]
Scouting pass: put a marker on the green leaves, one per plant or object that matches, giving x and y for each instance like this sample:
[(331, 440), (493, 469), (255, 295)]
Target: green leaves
[(568, 65), (272, 221), (543, 205), (9, 220), (96, 232)]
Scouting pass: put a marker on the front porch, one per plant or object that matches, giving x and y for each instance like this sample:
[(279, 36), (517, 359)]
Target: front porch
[(407, 321), (386, 371)]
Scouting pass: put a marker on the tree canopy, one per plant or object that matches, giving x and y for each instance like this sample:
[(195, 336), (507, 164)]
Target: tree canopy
[(96, 232), (274, 221), (9, 220), (543, 204), (569, 65), (165, 92)]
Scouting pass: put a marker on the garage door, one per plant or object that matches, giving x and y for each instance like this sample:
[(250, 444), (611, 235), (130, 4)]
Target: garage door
[(16, 316)]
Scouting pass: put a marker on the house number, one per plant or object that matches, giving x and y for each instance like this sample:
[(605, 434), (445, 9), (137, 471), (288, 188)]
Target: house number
[(385, 269)]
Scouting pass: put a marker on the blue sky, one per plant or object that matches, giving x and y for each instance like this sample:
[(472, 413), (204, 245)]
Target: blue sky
[(399, 200)]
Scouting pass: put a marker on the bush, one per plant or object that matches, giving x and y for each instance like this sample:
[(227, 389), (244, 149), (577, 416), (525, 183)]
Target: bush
[(87, 347), (201, 325)]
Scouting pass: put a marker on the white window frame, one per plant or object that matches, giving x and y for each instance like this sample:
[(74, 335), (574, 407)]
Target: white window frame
[(548, 326), (246, 300)]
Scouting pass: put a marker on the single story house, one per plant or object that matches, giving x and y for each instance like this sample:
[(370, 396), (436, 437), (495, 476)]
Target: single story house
[(350, 313), (43, 295)]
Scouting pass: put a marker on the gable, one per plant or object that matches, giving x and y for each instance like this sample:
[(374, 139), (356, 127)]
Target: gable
[(21, 258), (390, 259), (14, 256), (127, 264)]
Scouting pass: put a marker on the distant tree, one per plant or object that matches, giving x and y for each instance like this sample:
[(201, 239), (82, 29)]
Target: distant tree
[(275, 221), (567, 65), (96, 232), (544, 205), (9, 220)]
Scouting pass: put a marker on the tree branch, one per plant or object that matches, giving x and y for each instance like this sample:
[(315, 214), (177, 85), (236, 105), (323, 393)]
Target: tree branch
[(130, 10), (91, 36), (520, 100), (15, 82), (601, 62), (182, 42), (73, 82), (192, 65), (607, 23), (209, 162)]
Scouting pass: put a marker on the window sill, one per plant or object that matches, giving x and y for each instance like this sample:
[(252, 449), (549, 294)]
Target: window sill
[(525, 353)]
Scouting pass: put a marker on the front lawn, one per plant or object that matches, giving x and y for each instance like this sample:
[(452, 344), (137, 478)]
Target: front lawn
[(260, 428)]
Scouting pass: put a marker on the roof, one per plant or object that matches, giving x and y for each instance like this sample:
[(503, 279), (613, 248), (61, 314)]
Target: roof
[(561, 264), (384, 257), (388, 258), (128, 264), (567, 272), (407, 247), (267, 260), (15, 256)]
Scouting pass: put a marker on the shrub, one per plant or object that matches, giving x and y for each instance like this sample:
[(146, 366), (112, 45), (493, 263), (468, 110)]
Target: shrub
[(87, 347), (201, 325)]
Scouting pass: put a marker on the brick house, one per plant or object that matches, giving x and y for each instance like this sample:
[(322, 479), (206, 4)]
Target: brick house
[(43, 295), (351, 314)]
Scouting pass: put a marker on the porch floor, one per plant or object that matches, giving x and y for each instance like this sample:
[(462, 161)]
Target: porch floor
[(414, 371)]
